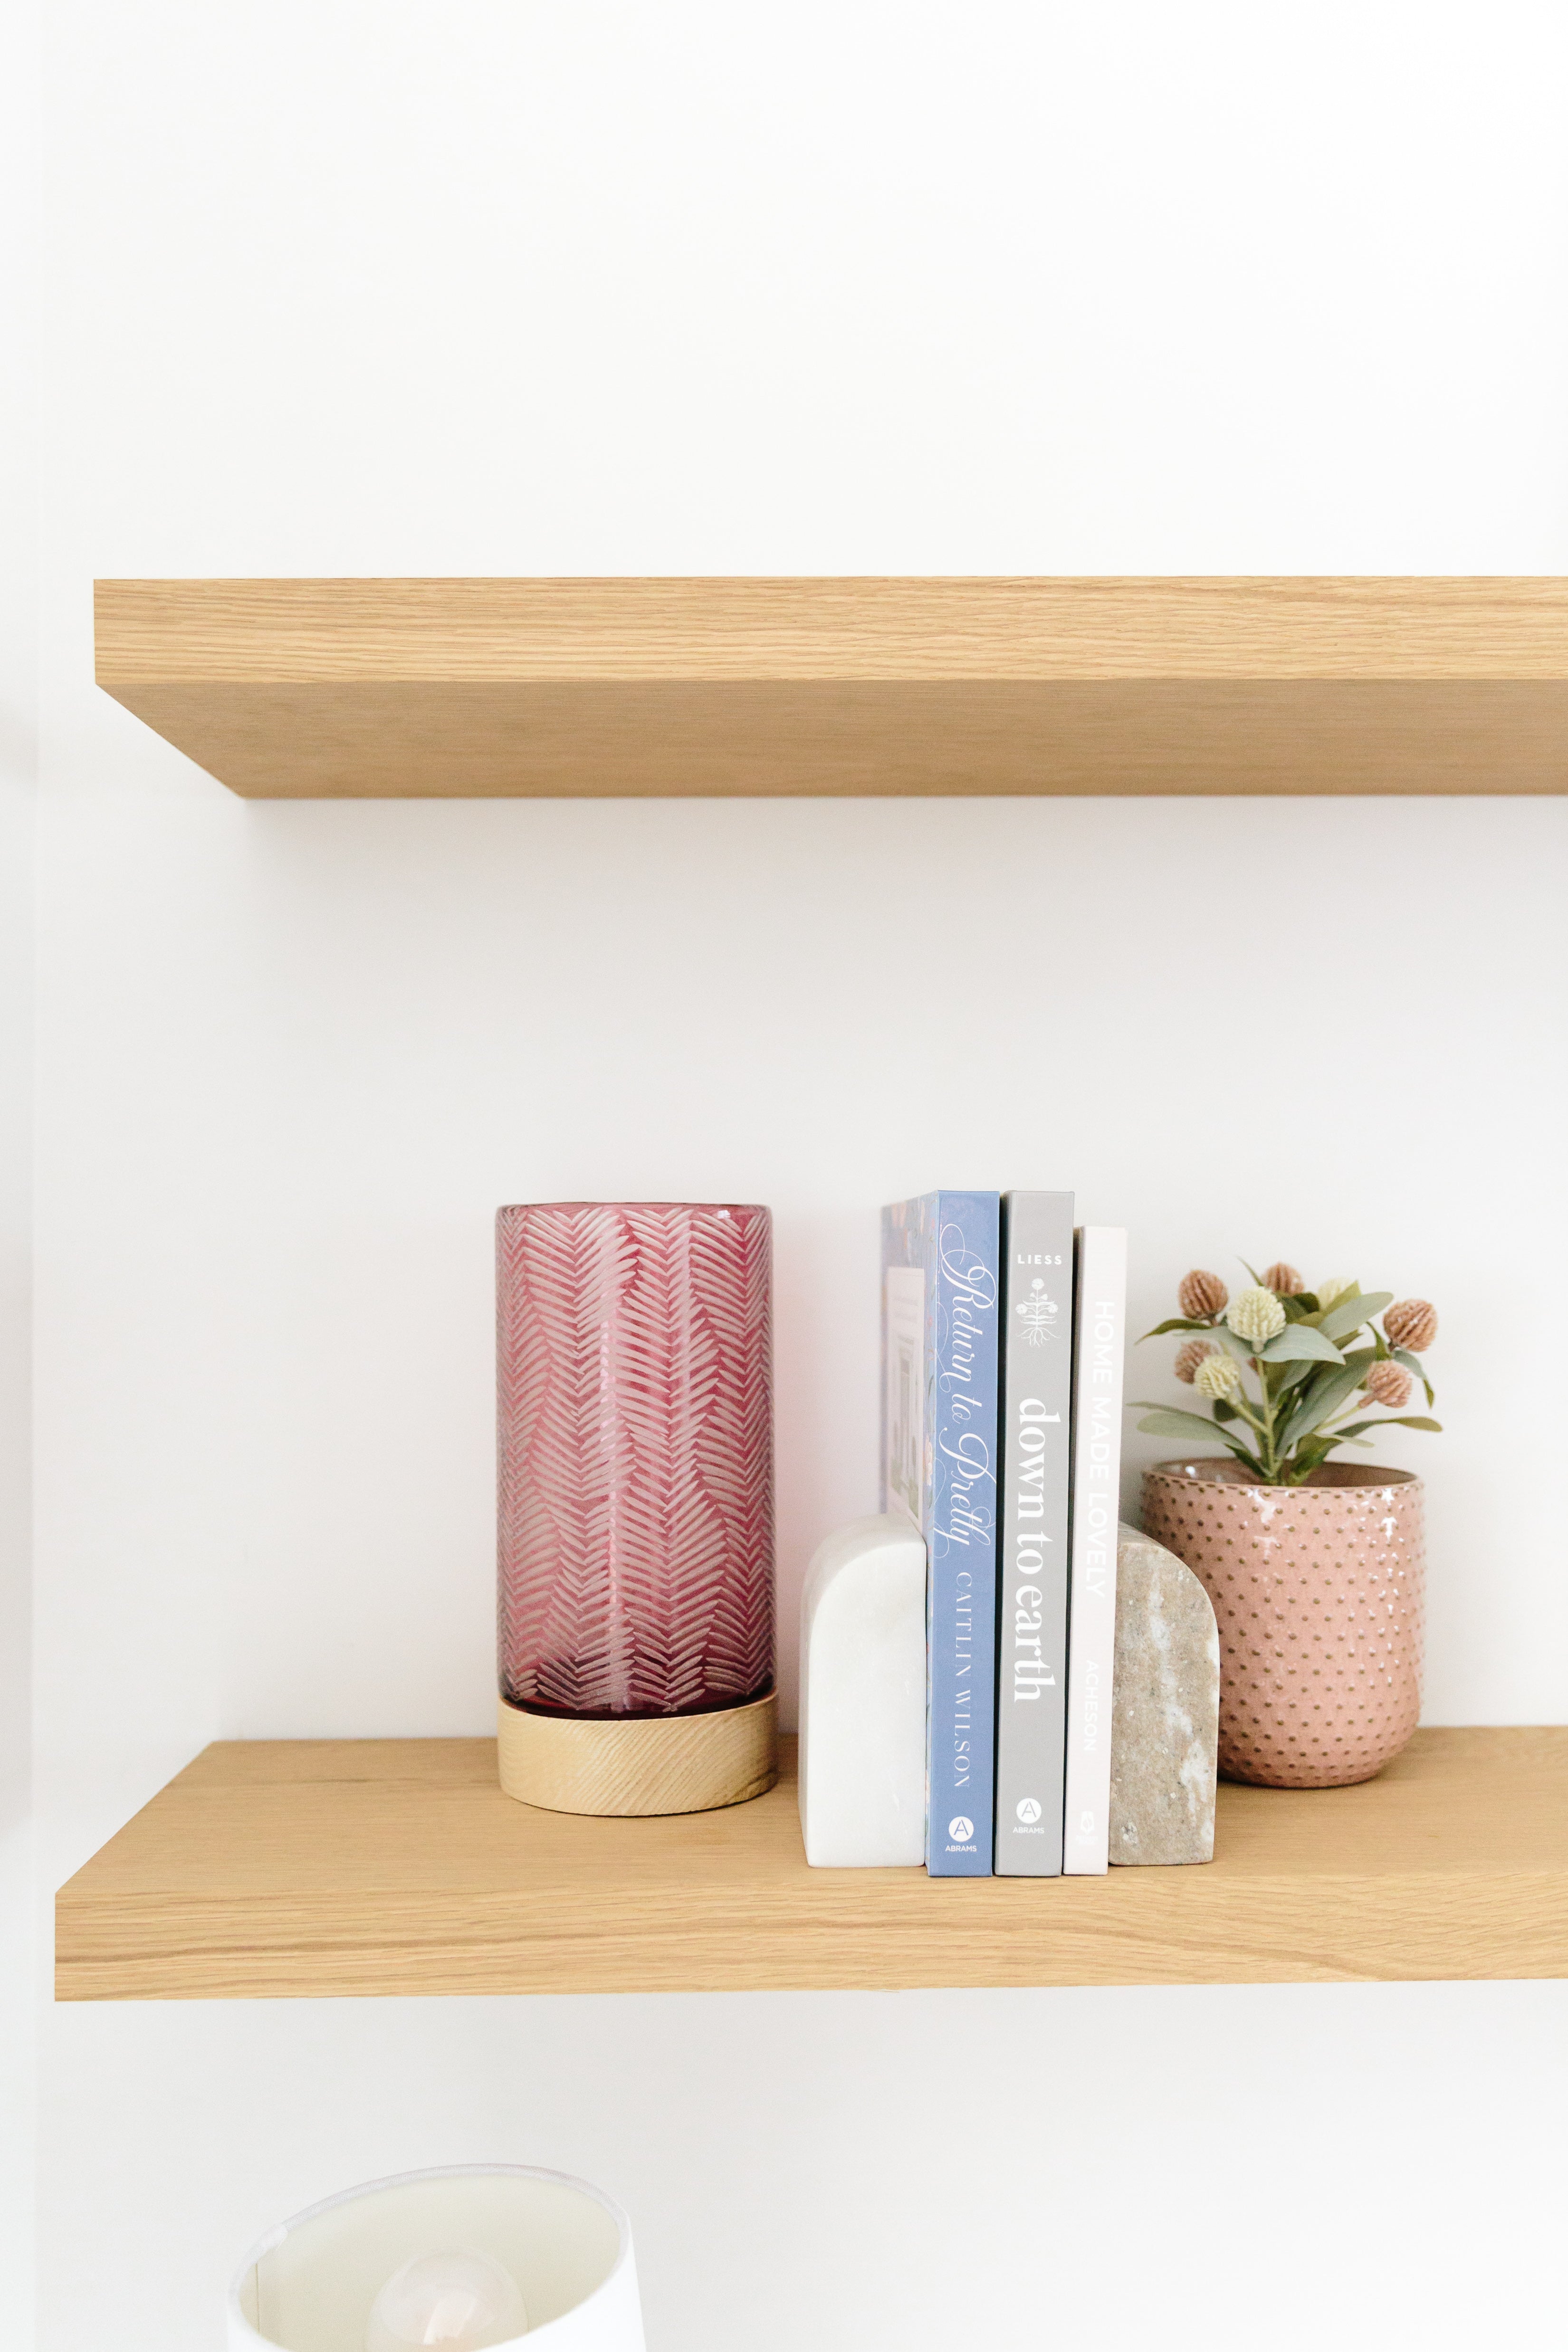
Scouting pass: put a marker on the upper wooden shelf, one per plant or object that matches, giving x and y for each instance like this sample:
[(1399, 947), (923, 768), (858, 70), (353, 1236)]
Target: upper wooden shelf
[(313, 688), (397, 1866)]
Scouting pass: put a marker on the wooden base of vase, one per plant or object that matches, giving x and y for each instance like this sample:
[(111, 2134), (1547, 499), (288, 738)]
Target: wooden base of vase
[(642, 1764)]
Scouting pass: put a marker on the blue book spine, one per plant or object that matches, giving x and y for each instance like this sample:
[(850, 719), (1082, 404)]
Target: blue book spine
[(941, 1256)]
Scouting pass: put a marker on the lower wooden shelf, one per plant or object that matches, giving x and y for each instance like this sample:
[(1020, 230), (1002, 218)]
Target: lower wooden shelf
[(273, 1868)]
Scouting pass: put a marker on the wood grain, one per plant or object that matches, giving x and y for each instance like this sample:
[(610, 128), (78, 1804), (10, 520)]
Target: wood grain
[(641, 1765), (310, 688), (397, 1866)]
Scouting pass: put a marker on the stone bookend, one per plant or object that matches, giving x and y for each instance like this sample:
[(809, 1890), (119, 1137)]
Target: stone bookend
[(1165, 1730), (863, 1698)]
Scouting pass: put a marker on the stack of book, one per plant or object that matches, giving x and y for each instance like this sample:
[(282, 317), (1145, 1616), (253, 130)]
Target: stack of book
[(1002, 1337)]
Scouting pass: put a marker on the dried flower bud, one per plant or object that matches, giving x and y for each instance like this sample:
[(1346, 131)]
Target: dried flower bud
[(1218, 1376), (1412, 1324), (1201, 1294), (1283, 1280), (1190, 1355), (1388, 1384), (1255, 1316), (1329, 1292)]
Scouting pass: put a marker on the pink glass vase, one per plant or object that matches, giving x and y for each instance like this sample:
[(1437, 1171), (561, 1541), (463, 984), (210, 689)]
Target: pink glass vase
[(635, 1374)]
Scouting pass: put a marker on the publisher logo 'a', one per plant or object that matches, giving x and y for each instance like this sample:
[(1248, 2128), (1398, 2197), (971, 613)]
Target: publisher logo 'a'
[(1029, 1808), (960, 1829)]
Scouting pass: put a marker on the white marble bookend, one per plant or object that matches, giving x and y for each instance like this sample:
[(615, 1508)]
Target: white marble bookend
[(1164, 1709), (862, 1697)]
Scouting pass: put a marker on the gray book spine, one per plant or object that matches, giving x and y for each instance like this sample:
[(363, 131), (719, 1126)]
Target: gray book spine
[(1035, 1465)]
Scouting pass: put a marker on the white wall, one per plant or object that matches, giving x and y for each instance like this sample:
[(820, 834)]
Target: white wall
[(338, 288), (19, 1941)]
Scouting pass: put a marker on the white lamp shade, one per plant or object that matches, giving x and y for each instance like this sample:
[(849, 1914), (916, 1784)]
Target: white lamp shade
[(310, 2284)]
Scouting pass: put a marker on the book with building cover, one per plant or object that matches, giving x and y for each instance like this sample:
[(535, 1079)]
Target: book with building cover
[(1032, 1549), (1100, 1339), (940, 1290)]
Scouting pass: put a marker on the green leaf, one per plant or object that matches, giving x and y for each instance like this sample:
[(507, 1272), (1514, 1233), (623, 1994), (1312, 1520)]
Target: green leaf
[(1169, 1421), (1310, 1457), (1296, 1307), (1166, 1421), (1329, 1388), (1348, 1315), (1295, 1340), (1392, 1420), (1413, 1364), (1173, 1323), (1257, 1283), (1242, 1349)]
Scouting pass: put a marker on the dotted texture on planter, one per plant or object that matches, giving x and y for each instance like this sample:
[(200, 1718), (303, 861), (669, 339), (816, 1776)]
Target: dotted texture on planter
[(1320, 1595)]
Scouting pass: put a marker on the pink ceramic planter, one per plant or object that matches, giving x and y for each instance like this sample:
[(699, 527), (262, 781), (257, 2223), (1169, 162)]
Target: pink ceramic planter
[(1320, 1591)]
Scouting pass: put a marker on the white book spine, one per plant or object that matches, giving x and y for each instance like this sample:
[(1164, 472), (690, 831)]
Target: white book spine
[(1100, 1346)]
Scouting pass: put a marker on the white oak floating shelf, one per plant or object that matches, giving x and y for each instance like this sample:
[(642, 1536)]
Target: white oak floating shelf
[(305, 690), (313, 1867)]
